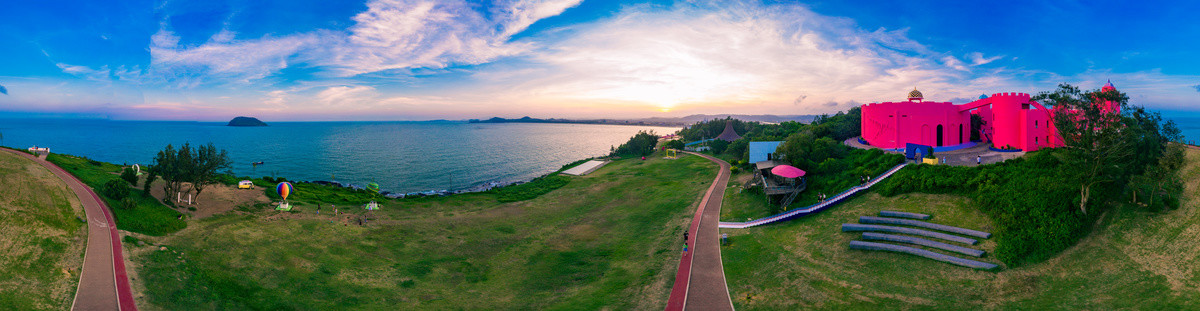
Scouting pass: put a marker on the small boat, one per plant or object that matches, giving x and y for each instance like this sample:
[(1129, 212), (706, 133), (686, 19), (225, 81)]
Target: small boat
[(257, 163)]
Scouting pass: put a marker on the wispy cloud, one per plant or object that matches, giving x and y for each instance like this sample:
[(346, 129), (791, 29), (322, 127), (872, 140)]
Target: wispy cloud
[(690, 57)]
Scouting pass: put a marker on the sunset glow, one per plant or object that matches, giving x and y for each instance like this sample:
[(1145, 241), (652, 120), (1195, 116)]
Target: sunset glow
[(413, 60)]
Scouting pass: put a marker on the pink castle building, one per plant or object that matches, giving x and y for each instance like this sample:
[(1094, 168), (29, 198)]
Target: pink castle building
[(1009, 120)]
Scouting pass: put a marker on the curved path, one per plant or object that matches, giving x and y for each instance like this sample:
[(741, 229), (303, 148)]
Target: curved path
[(801, 212), (700, 280), (103, 283)]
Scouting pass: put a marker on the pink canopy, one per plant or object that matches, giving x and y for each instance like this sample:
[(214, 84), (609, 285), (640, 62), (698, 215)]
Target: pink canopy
[(787, 171)]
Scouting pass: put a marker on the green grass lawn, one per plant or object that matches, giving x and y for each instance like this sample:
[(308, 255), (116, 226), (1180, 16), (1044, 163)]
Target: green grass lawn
[(609, 240), (1132, 260), (150, 216), (41, 239)]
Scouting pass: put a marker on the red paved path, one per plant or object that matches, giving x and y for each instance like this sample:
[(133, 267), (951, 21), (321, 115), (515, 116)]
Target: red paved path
[(103, 283), (700, 279)]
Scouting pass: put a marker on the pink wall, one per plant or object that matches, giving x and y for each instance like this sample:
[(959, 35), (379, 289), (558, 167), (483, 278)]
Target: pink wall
[(1010, 119)]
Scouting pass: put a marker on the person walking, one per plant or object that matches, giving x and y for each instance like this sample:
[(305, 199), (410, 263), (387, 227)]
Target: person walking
[(978, 160)]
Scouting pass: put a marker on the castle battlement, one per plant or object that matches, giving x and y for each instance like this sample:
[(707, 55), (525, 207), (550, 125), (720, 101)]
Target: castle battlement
[(1019, 96)]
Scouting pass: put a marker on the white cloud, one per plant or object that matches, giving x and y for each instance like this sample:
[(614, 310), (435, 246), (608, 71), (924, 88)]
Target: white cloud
[(236, 61), (978, 59), (389, 35), (346, 96), (750, 58)]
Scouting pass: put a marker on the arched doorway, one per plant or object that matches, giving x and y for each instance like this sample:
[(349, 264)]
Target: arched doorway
[(939, 135)]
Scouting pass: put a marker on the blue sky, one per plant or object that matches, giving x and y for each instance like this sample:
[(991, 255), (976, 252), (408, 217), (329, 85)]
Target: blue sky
[(414, 60)]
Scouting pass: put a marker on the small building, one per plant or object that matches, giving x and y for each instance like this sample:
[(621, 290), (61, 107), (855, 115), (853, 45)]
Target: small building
[(763, 150), (778, 180), (245, 184)]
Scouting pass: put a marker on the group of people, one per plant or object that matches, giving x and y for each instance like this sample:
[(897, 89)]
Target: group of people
[(335, 210), (862, 180)]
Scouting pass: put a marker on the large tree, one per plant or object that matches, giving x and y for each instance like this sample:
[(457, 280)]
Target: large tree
[(1102, 148), (208, 165)]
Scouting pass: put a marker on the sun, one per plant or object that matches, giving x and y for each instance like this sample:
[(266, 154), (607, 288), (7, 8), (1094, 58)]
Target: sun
[(664, 109)]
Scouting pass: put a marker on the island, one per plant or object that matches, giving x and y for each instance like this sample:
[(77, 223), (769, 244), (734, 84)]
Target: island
[(246, 121)]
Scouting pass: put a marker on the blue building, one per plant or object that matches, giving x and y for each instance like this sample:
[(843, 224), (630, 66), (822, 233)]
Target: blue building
[(763, 150)]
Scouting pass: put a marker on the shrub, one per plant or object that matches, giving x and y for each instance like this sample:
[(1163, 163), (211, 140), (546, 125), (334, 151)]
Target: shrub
[(128, 203), (116, 189), (531, 189), (1030, 199), (129, 175)]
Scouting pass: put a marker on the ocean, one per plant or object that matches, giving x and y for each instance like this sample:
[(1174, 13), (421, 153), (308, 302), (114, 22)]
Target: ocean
[(1190, 127), (402, 157)]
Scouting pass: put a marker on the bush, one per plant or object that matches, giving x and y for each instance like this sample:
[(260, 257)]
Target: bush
[(129, 175), (116, 189), (127, 203), (1032, 201)]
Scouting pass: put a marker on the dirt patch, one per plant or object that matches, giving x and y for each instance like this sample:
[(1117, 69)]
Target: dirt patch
[(216, 199)]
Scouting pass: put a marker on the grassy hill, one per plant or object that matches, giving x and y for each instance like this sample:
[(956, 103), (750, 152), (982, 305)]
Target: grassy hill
[(1132, 259), (609, 240), (41, 241)]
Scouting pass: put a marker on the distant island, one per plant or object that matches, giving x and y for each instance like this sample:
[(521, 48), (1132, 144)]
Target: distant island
[(246, 121), (682, 121)]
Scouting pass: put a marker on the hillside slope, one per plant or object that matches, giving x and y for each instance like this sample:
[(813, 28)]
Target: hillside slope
[(41, 240)]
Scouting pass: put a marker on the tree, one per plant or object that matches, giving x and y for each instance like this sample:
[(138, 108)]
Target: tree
[(641, 144), (805, 150), (672, 144), (718, 146), (150, 177), (165, 166), (1095, 144), (209, 163)]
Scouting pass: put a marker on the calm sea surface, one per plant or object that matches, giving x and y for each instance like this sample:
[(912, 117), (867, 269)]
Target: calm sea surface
[(1190, 127), (401, 156)]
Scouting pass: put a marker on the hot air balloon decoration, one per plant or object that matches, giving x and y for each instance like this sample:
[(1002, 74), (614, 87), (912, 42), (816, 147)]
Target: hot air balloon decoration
[(374, 187), (284, 189)]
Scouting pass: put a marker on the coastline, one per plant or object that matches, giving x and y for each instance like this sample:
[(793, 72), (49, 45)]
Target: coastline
[(481, 187)]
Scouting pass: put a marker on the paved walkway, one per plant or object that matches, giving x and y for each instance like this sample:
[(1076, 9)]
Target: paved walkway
[(102, 277), (962, 157), (700, 279)]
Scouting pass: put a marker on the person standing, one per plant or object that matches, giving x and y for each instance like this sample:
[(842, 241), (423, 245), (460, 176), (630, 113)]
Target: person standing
[(978, 160)]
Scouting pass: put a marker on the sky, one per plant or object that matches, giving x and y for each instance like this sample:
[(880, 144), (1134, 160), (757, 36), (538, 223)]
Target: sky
[(282, 60)]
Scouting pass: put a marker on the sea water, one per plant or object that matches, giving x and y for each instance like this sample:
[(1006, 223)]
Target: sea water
[(401, 157), (1190, 126)]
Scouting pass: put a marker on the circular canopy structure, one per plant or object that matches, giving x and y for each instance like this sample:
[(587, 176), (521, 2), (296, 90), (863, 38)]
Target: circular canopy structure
[(915, 94), (787, 171)]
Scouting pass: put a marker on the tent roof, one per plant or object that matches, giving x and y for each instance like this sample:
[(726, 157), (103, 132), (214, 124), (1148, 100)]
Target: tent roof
[(787, 171), (729, 134)]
